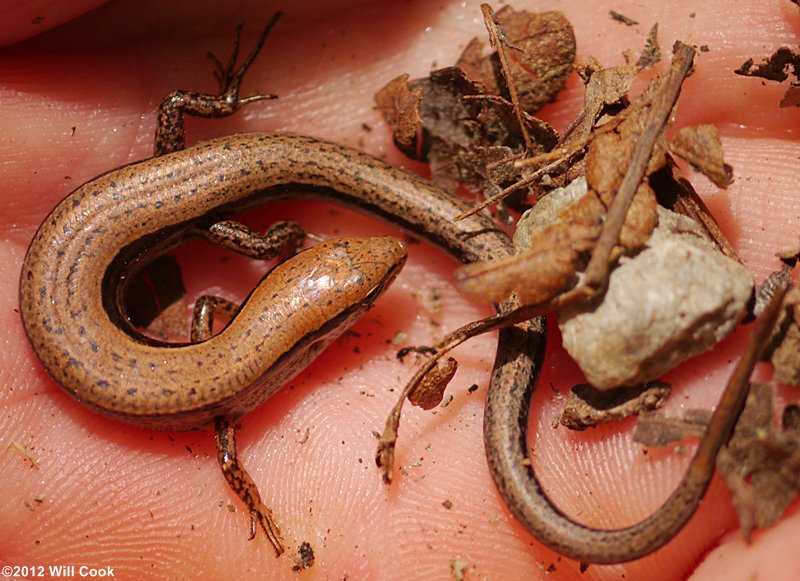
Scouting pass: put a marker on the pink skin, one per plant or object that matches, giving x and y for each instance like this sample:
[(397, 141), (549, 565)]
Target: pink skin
[(141, 502)]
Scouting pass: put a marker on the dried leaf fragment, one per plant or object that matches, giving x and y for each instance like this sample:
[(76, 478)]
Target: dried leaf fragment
[(701, 147), (777, 67), (587, 406), (535, 275), (399, 104), (540, 48), (430, 391)]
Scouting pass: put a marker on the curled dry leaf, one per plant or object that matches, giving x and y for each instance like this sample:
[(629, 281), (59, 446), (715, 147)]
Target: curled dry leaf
[(606, 90), (786, 356), (701, 147), (535, 276), (429, 393), (622, 18)]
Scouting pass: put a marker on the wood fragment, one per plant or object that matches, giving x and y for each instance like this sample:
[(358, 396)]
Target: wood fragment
[(23, 450), (781, 64), (399, 104), (656, 431), (587, 406)]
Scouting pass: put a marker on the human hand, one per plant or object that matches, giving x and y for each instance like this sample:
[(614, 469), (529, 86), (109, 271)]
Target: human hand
[(141, 502)]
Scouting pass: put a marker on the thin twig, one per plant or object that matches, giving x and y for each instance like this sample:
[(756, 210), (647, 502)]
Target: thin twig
[(663, 103), (490, 19)]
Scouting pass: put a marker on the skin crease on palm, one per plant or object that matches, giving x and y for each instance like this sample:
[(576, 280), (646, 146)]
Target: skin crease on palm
[(79, 100)]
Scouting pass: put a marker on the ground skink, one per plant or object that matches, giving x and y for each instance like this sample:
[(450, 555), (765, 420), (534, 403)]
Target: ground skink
[(77, 264), (74, 273)]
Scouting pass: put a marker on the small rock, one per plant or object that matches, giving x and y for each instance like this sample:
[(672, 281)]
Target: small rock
[(587, 406)]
